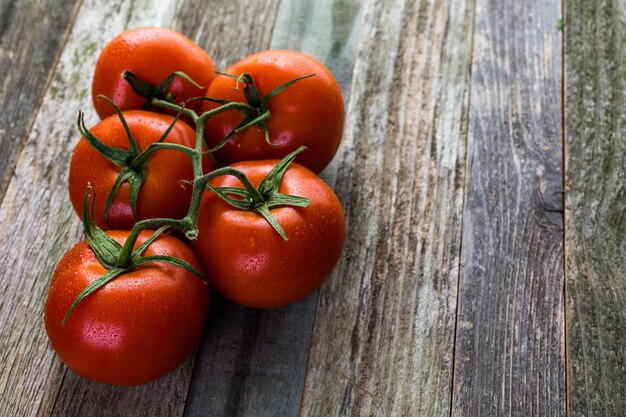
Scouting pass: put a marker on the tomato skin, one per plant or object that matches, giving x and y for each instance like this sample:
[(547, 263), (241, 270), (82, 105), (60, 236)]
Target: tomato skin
[(310, 112), (135, 329), (248, 262), (161, 195), (152, 54)]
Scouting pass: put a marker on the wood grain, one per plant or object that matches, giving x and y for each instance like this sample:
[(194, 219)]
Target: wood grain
[(449, 298), (509, 357), (384, 329), (253, 362), (31, 34), (596, 207), (227, 30)]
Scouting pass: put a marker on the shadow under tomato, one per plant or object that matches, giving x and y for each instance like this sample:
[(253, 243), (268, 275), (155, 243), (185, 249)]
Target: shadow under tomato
[(79, 396), (252, 361)]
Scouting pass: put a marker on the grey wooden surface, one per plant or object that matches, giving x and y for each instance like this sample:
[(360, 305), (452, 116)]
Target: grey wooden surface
[(509, 351), (31, 37), (596, 207), (465, 287), (400, 177)]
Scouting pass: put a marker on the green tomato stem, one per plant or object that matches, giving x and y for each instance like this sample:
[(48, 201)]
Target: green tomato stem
[(124, 259), (171, 106), (257, 198)]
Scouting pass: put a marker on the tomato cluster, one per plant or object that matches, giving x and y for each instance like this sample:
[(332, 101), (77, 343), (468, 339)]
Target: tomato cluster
[(210, 158)]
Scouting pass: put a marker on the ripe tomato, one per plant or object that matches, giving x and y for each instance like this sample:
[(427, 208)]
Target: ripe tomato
[(152, 54), (247, 261), (161, 195), (135, 329), (309, 112)]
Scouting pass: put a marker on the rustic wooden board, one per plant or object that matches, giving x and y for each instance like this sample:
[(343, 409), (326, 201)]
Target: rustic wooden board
[(596, 207), (253, 362), (227, 30), (384, 329), (509, 357), (429, 226), (31, 34), (43, 226)]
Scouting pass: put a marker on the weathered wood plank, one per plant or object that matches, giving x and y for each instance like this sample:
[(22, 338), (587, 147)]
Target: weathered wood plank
[(31, 34), (36, 214), (253, 362), (596, 207), (227, 30), (384, 329), (509, 357)]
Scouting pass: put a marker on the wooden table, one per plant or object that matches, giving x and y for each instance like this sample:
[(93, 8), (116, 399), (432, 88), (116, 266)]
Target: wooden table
[(482, 173)]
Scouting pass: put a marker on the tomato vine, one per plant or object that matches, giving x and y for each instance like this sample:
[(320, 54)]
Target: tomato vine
[(132, 162), (262, 232)]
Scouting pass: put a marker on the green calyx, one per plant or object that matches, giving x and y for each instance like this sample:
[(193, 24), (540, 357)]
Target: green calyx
[(150, 92), (260, 200), (132, 161), (110, 254), (257, 112)]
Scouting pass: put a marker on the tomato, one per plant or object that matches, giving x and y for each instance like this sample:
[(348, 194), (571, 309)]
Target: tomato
[(309, 112), (247, 261), (152, 54), (136, 328), (161, 195)]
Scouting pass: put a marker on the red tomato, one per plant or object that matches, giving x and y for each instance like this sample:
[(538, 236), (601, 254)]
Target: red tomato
[(135, 329), (161, 195), (247, 261), (152, 54), (309, 112)]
